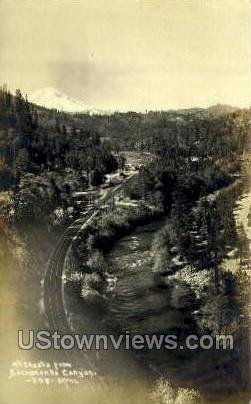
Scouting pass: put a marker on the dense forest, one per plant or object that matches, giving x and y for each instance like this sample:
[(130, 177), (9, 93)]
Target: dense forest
[(196, 158), (41, 161), (191, 186)]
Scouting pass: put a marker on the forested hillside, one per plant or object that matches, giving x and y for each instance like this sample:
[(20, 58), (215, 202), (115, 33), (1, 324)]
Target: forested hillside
[(41, 161), (185, 281), (188, 190)]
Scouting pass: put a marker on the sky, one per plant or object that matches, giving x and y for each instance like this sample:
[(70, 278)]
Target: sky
[(128, 54)]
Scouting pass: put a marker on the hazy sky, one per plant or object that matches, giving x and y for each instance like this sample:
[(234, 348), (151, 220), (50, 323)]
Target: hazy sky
[(128, 54)]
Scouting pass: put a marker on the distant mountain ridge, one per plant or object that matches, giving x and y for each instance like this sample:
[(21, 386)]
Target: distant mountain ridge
[(222, 109), (52, 98)]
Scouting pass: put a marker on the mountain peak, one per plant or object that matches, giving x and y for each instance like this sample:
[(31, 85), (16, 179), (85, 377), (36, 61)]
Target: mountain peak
[(51, 97)]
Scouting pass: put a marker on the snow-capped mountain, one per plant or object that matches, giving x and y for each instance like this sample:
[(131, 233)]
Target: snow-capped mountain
[(50, 97)]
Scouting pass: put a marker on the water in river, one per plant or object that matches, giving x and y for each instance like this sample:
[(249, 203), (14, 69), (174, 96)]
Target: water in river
[(137, 304), (140, 306)]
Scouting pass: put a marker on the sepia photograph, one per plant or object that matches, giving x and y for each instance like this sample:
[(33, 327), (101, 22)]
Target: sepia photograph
[(125, 201)]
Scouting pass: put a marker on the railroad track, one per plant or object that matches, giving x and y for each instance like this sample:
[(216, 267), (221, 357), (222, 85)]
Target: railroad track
[(53, 284)]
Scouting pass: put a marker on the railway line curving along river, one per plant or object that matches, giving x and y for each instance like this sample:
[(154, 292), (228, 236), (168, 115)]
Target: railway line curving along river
[(53, 285)]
